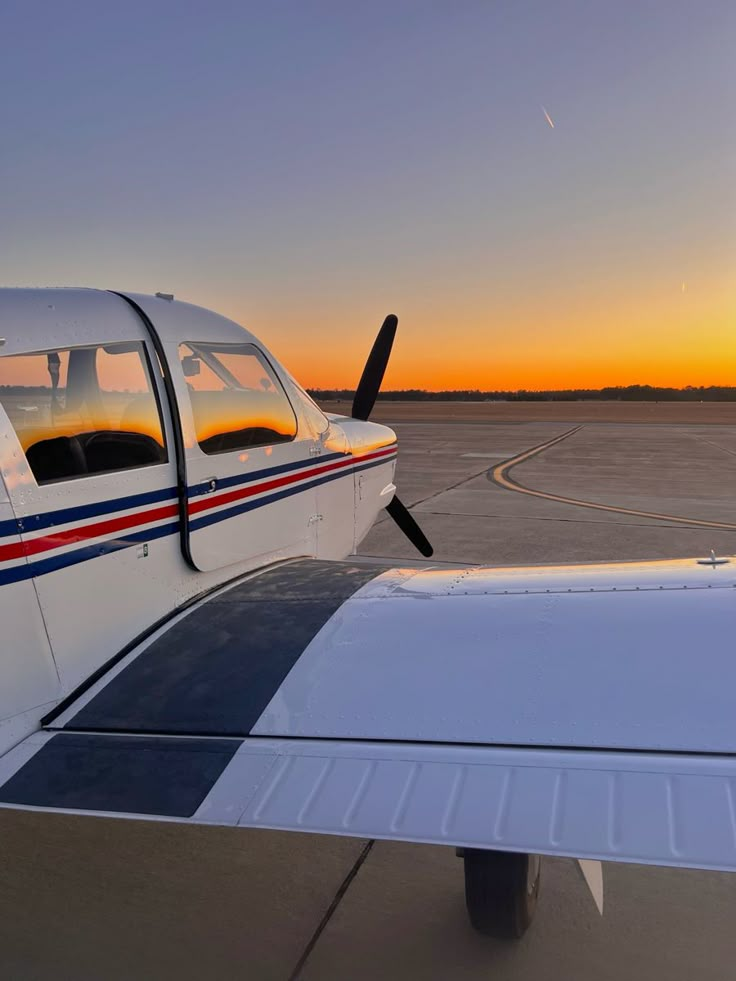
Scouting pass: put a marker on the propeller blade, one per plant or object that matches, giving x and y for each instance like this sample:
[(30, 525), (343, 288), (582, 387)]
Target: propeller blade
[(375, 367), (408, 525)]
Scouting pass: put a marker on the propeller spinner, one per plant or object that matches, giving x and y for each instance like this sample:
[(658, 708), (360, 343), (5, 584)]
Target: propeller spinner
[(365, 398)]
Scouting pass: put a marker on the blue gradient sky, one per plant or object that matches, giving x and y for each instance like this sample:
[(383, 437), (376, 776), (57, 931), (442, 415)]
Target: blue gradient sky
[(307, 167)]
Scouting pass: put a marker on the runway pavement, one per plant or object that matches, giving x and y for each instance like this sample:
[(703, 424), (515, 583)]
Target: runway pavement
[(94, 899)]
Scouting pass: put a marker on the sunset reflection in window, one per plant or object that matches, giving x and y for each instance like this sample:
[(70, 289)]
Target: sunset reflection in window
[(83, 411), (237, 400)]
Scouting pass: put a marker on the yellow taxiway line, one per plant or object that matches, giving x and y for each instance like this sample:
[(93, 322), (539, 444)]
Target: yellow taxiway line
[(500, 476)]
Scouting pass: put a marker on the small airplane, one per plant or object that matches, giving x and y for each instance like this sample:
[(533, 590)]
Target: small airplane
[(187, 638)]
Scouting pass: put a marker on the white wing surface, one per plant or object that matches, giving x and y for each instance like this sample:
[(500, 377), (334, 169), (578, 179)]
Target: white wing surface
[(575, 711)]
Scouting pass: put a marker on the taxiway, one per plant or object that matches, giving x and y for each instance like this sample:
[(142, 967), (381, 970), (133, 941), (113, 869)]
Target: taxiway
[(83, 898)]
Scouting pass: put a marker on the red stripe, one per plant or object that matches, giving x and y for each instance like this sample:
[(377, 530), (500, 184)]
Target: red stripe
[(376, 453), (205, 504), (71, 536)]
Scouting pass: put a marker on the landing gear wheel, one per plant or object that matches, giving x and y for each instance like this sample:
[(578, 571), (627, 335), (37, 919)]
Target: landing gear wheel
[(501, 890)]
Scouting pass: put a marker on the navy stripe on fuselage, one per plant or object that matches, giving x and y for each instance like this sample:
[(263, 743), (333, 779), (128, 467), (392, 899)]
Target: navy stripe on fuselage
[(62, 560), (196, 524), (247, 478), (9, 527), (50, 519)]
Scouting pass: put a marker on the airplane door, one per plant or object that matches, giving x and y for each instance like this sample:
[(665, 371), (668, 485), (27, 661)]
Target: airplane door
[(250, 463), (94, 493)]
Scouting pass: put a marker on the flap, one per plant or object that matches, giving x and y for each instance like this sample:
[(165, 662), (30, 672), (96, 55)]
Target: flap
[(655, 809)]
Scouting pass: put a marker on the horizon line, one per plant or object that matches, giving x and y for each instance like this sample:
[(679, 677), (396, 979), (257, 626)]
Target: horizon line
[(532, 391)]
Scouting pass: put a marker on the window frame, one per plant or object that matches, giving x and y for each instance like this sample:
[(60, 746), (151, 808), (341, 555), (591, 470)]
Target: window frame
[(153, 389), (235, 347)]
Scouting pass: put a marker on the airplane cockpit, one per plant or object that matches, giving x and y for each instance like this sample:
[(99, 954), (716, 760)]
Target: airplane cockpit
[(151, 450)]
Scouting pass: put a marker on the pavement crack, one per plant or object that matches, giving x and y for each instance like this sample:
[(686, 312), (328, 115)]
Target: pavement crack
[(423, 500), (717, 446), (576, 520), (444, 490), (336, 900)]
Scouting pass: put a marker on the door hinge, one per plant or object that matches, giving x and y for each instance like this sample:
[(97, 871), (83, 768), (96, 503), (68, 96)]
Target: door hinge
[(315, 451), (314, 519)]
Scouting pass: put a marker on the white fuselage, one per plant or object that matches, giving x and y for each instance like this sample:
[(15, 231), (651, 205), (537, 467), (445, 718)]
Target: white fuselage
[(89, 560)]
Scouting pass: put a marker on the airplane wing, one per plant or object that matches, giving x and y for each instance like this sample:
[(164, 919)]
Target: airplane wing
[(583, 711)]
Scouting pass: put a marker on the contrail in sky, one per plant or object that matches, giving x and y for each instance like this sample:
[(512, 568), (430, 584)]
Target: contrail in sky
[(547, 117)]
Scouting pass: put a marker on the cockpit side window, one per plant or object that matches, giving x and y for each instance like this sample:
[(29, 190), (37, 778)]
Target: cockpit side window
[(315, 417), (237, 399), (83, 411)]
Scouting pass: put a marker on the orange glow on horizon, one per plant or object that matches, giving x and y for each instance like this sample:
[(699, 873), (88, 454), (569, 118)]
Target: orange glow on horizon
[(486, 371), (674, 338)]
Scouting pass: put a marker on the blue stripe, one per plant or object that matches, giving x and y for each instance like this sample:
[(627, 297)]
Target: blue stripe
[(373, 463), (189, 681), (50, 519), (121, 774), (246, 478), (9, 528), (43, 566), (222, 482), (53, 563), (206, 520)]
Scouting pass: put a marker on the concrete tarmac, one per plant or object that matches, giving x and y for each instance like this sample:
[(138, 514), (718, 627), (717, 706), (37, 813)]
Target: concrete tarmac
[(86, 899)]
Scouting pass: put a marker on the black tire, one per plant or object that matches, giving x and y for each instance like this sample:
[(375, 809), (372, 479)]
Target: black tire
[(501, 891)]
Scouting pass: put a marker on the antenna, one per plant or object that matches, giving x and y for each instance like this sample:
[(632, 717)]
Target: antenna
[(713, 561)]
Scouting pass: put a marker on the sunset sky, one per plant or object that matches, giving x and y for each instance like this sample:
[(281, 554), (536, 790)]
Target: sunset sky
[(307, 167)]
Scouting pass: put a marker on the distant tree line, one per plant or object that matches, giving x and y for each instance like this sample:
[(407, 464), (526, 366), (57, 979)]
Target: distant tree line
[(624, 393)]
